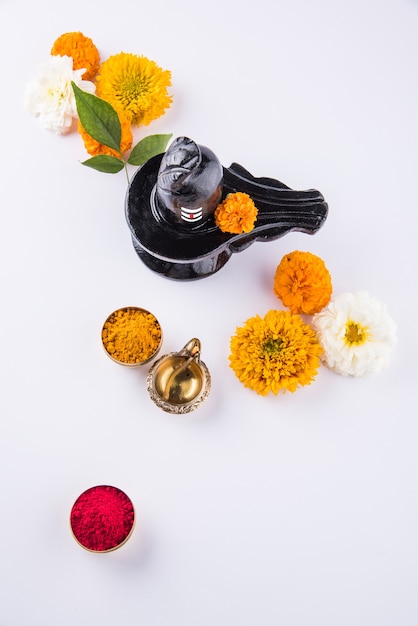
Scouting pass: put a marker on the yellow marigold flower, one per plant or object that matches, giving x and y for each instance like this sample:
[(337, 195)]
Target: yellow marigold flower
[(82, 50), (236, 214), (94, 148), (136, 85), (276, 353), (303, 282)]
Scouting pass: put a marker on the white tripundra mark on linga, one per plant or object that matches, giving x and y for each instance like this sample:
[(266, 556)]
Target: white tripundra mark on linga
[(191, 215)]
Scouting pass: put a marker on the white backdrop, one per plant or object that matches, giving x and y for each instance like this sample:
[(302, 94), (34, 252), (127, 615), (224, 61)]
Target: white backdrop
[(299, 509)]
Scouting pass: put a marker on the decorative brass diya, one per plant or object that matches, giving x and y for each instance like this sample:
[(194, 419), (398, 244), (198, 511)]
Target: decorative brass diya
[(179, 382)]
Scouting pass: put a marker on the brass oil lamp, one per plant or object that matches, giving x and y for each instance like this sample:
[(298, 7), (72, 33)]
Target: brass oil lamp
[(179, 382)]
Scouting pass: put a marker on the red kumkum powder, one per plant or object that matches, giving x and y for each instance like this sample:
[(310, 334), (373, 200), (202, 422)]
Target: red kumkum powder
[(102, 518)]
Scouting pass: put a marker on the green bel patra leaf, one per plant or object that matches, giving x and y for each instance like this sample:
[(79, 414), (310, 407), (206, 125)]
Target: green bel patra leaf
[(98, 118), (148, 147), (105, 163)]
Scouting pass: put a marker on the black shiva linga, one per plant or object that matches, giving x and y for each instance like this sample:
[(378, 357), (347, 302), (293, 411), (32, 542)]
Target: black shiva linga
[(170, 205)]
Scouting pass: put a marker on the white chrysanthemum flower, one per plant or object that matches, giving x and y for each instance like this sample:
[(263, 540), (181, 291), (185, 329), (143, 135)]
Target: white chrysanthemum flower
[(356, 334), (50, 96)]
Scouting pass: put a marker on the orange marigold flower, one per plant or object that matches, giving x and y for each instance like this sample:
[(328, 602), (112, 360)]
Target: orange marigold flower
[(236, 214), (277, 352), (135, 85), (94, 148), (303, 282), (82, 50)]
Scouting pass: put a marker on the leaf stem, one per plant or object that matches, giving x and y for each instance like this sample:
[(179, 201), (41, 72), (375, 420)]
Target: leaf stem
[(126, 170)]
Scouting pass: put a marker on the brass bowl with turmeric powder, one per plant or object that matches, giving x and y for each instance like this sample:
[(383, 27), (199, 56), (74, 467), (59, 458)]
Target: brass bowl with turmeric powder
[(131, 336)]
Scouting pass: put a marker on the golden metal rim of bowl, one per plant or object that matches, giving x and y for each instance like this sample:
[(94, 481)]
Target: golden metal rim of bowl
[(137, 363)]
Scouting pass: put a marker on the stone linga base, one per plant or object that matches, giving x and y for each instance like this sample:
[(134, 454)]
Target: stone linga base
[(170, 211)]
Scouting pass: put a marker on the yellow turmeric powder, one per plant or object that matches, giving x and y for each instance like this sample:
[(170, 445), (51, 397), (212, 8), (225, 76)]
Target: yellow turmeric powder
[(131, 335)]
